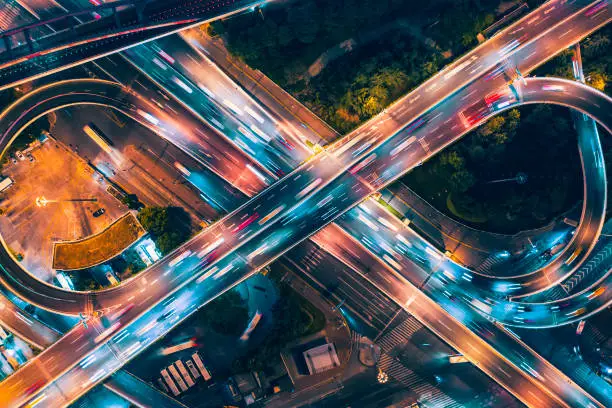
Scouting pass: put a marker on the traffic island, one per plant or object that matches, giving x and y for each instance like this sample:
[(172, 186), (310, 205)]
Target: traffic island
[(97, 248)]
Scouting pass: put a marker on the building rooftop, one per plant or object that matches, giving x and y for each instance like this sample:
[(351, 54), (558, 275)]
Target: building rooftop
[(321, 358)]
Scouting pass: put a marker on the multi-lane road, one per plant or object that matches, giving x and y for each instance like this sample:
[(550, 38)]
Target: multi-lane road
[(299, 218), (197, 256), (105, 35), (395, 116)]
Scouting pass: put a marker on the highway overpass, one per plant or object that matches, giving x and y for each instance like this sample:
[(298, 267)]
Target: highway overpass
[(131, 22), (356, 171)]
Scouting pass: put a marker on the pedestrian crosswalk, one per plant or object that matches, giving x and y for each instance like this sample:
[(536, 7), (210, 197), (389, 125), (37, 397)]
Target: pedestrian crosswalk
[(9, 13), (399, 334), (425, 392), (489, 263), (594, 264)]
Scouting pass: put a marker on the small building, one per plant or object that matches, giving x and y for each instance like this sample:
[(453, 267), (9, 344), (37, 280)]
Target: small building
[(147, 251), (321, 358), (249, 387)]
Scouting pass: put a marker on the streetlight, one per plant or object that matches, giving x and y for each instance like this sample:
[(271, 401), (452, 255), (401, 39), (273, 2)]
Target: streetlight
[(382, 377), (41, 201)]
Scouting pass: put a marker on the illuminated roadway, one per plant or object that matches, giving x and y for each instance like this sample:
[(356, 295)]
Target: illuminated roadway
[(107, 89), (324, 207), (380, 126), (275, 157), (493, 350), (385, 243), (41, 336), (238, 266), (104, 36)]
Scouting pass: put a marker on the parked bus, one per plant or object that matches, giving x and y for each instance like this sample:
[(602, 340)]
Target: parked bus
[(170, 382), (177, 378), (5, 183), (192, 369), (97, 136), (181, 367), (99, 133), (198, 362)]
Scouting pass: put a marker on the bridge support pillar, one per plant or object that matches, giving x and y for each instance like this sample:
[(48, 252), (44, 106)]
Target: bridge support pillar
[(28, 36), (7, 45), (140, 6), (116, 17)]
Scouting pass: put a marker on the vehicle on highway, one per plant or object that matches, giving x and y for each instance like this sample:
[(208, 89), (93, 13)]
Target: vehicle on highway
[(112, 278), (165, 316), (248, 221), (166, 56), (107, 333), (499, 99), (554, 88), (474, 113), (182, 84), (599, 6), (179, 259), (34, 387), (573, 256), (117, 315), (286, 143)]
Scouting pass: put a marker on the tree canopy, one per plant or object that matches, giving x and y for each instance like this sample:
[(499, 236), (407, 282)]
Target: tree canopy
[(168, 226), (517, 141), (227, 314)]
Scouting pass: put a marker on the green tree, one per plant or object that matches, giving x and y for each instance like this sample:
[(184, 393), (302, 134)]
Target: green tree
[(597, 80), (169, 226), (285, 35), (227, 314), (453, 159), (304, 19), (131, 200), (461, 180)]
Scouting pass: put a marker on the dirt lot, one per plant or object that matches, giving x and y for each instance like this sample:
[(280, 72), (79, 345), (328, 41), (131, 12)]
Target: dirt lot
[(58, 176)]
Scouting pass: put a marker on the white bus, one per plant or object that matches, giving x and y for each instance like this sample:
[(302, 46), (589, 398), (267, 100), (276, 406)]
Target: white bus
[(177, 378), (192, 369), (170, 382), (181, 367), (99, 137), (5, 183), (198, 362)]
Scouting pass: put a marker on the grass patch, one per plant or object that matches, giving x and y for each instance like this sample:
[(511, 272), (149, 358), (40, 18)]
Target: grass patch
[(95, 249)]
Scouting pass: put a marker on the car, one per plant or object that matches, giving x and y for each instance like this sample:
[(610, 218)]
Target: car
[(34, 387), (99, 212), (14, 159), (245, 223), (20, 156), (31, 158), (553, 88)]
